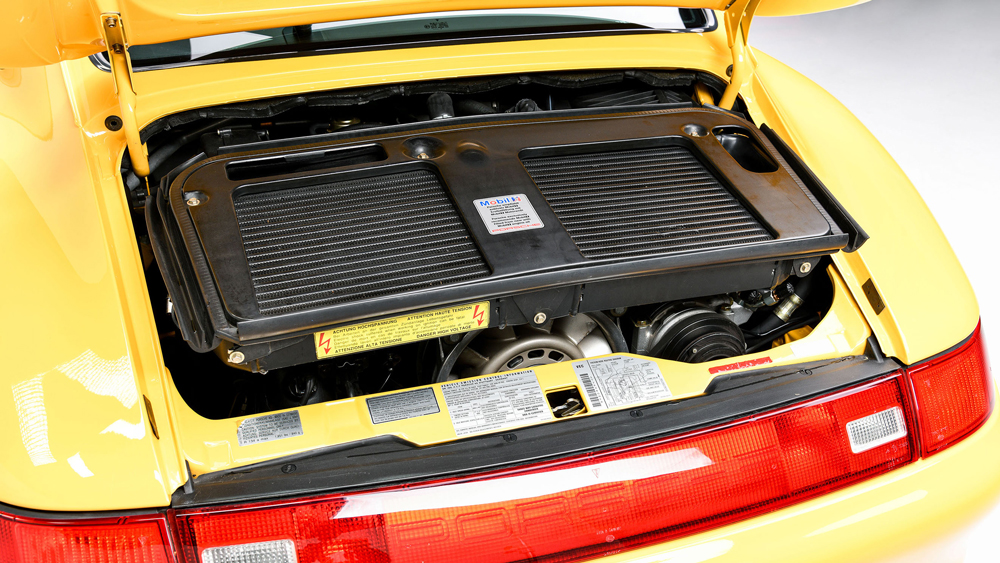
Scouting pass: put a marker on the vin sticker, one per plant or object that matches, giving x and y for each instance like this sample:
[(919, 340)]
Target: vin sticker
[(495, 402), (269, 427), (400, 406), (508, 213), (618, 381)]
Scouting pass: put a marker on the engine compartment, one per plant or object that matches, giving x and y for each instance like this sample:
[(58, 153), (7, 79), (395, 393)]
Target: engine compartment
[(619, 214)]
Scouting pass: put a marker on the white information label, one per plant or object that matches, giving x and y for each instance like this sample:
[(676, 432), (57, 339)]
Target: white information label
[(400, 406), (269, 427), (508, 213), (618, 381), (495, 402)]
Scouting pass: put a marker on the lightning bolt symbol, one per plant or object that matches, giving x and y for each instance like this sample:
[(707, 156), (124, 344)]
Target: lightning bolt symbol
[(478, 315), (324, 341)]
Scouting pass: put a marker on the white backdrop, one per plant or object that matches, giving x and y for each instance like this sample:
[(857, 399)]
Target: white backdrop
[(924, 76)]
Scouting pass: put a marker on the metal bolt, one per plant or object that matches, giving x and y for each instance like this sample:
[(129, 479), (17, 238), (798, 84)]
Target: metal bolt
[(118, 48), (193, 202), (423, 156), (110, 22), (236, 357), (540, 318), (805, 267)]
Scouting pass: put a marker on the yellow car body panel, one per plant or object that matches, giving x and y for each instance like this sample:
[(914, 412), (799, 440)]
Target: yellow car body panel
[(80, 343), (906, 242), (40, 32), (81, 349)]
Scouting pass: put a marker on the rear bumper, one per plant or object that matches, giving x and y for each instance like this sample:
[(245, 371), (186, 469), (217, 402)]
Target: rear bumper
[(921, 512)]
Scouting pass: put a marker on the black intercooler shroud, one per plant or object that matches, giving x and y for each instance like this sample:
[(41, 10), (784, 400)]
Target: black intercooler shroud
[(642, 202), (350, 240), (632, 208)]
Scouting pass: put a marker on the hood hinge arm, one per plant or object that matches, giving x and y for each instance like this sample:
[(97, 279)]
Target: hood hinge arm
[(739, 15), (121, 72)]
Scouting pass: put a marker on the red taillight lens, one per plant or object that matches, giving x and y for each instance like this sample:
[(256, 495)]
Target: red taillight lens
[(954, 394), (122, 540), (589, 505), (570, 509)]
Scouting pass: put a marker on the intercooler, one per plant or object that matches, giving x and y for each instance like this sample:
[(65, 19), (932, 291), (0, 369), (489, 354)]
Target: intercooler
[(550, 215)]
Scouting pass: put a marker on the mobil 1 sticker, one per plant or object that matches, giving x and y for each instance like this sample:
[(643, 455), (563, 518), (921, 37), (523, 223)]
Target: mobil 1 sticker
[(619, 381), (269, 427), (495, 402), (507, 214)]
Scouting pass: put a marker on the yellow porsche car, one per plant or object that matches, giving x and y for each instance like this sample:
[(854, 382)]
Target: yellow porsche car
[(494, 281)]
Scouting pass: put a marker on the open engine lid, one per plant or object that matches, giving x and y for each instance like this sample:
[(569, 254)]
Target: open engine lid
[(40, 32)]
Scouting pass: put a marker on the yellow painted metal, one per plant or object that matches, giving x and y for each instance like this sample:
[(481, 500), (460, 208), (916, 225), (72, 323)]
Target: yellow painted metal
[(121, 72), (799, 7), (211, 445), (77, 339), (40, 32), (703, 95), (929, 303), (919, 513), (165, 92)]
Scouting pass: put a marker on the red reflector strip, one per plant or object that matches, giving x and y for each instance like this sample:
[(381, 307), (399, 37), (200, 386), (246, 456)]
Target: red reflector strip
[(122, 540), (954, 394), (580, 507), (740, 365)]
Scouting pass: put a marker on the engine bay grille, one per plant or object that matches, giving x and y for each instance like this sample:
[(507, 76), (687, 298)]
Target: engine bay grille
[(639, 202), (353, 239)]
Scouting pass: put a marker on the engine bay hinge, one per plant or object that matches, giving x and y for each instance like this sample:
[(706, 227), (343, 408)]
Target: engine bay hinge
[(739, 15), (121, 72)]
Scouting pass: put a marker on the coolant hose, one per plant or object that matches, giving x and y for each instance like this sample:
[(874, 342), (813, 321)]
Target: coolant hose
[(473, 107)]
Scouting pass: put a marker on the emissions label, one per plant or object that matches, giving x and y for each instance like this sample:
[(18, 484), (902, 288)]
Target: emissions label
[(401, 330), (269, 427), (618, 381), (399, 406), (508, 213), (495, 402)]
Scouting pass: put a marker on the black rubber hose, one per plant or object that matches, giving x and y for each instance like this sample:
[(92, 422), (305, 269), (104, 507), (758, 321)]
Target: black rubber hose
[(161, 154), (440, 106), (526, 104), (473, 107), (611, 331), (763, 342)]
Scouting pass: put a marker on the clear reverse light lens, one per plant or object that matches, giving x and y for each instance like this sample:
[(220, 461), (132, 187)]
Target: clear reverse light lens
[(876, 429), (278, 551)]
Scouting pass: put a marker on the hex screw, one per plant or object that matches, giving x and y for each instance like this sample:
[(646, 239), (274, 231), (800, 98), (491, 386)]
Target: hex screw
[(193, 202), (805, 267), (540, 318), (110, 22), (236, 357)]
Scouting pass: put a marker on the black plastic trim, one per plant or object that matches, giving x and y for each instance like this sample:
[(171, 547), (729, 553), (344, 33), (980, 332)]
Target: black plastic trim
[(857, 235)]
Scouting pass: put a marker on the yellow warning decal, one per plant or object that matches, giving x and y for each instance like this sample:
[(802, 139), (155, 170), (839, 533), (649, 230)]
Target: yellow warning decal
[(401, 330)]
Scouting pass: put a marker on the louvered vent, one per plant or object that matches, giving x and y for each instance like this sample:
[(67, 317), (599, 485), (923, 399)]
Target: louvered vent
[(642, 202), (354, 239)]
